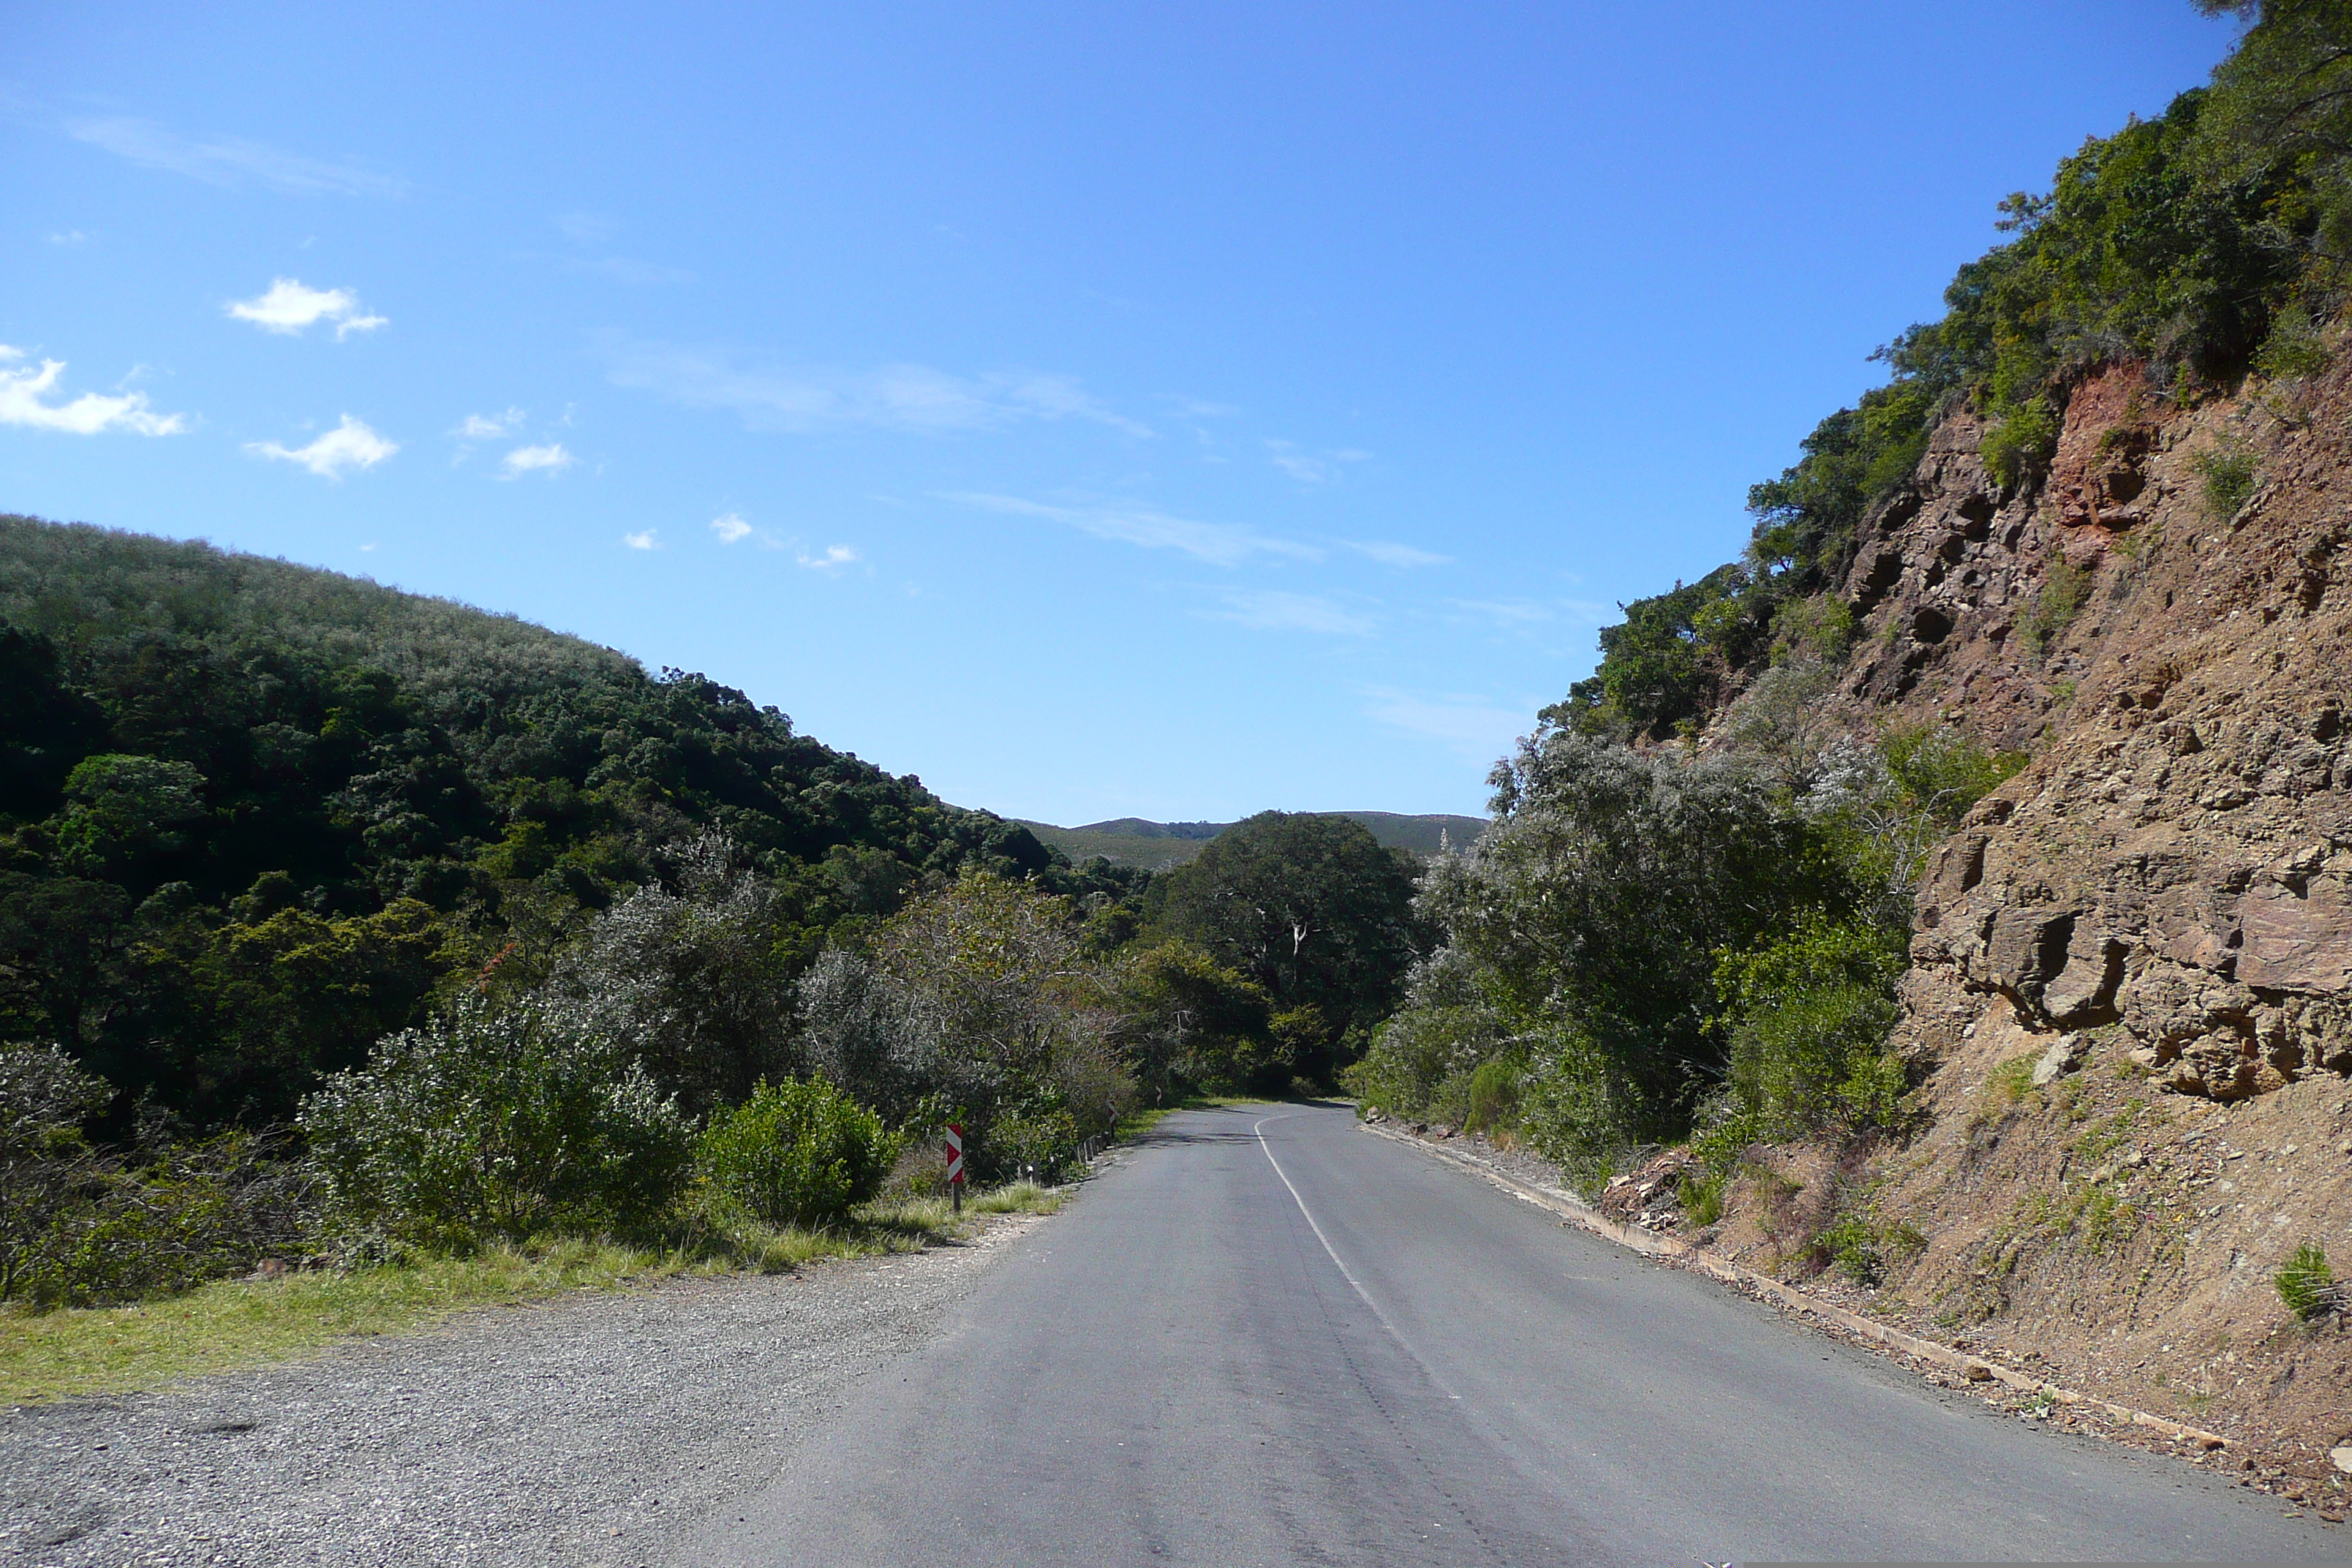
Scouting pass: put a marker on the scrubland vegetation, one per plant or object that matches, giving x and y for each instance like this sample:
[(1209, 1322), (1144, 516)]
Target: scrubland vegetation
[(343, 926)]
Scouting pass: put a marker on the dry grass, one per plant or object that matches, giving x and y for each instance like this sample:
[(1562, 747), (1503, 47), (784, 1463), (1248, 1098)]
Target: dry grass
[(233, 1325)]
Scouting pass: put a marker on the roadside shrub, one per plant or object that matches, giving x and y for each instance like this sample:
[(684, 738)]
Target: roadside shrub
[(1702, 1199), (86, 1226), (170, 1217), (1863, 1249), (1494, 1097), (2307, 1285), (1038, 1136), (796, 1153), (1808, 1017), (501, 1122)]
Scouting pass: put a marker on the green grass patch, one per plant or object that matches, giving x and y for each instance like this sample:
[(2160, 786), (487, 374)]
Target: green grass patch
[(233, 1325)]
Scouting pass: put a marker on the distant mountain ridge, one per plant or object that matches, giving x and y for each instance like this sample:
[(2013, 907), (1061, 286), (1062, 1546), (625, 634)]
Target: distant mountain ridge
[(1157, 846)]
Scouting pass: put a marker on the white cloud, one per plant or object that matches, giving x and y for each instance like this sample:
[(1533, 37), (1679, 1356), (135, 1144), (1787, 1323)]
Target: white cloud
[(836, 555), (640, 541), (288, 307), (1274, 611), (228, 159), (490, 428), (350, 445), (1219, 543), (1389, 554), (1308, 469), (550, 459), (1477, 727), (66, 237), (730, 529), (23, 391), (586, 228), (891, 397)]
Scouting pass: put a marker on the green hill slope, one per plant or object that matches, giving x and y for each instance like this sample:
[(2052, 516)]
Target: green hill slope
[(1157, 846), (253, 816)]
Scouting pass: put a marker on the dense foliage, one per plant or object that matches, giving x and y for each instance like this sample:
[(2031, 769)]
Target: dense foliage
[(1648, 946), (2198, 245), (795, 1152), (1312, 912), (252, 817), (498, 1123), (342, 919)]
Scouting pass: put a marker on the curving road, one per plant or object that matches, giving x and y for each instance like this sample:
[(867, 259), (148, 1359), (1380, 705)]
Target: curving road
[(1263, 1337)]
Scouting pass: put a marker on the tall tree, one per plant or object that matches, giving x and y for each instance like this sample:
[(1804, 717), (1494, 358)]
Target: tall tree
[(1317, 912)]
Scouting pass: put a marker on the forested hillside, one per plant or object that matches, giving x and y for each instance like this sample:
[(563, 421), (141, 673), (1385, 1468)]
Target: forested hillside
[(256, 816), (336, 919), (1159, 846)]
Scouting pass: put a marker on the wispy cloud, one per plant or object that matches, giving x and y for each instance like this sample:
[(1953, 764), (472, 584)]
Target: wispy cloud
[(645, 541), (488, 426), (24, 400), (1219, 543), (1477, 727), (731, 528), (228, 159), (64, 236), (835, 557), (350, 445), (288, 307), (550, 459), (892, 397), (1275, 611), (1309, 468), (586, 229), (1389, 554)]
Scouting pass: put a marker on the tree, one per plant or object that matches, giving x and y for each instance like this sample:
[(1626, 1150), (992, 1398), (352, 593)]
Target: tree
[(1315, 911)]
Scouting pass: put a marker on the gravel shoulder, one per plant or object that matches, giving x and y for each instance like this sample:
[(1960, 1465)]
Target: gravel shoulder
[(569, 1431)]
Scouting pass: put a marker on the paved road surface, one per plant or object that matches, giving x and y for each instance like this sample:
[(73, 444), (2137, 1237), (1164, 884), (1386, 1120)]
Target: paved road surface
[(1265, 1337)]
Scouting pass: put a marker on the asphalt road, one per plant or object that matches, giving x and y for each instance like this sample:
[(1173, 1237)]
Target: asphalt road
[(1265, 1337)]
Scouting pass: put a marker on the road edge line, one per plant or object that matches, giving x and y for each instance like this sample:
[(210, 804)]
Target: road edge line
[(1561, 1201)]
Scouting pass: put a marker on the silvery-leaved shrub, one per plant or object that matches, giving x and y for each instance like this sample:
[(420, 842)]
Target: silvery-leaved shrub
[(500, 1121), (797, 1153)]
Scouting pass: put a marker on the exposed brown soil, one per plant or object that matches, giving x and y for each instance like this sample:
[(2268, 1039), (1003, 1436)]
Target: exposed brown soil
[(2130, 1007)]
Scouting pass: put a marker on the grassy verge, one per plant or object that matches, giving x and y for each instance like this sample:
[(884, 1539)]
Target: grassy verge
[(232, 1325)]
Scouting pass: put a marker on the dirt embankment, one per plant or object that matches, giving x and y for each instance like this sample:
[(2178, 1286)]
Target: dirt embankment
[(2131, 997)]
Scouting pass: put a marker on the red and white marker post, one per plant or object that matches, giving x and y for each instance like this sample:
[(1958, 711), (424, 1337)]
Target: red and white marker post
[(955, 1165)]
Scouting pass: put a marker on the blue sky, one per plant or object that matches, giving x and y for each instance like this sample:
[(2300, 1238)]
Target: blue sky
[(1171, 411)]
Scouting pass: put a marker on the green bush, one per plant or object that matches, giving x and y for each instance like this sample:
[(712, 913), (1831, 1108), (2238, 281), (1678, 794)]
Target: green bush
[(2227, 474), (2295, 349), (1808, 1017), (2307, 1285), (796, 1153), (1494, 1097), (2021, 442), (1040, 1136), (2063, 593), (502, 1121), (87, 1226), (1702, 1198)]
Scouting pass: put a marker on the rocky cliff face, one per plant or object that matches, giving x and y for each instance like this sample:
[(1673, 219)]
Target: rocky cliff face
[(2131, 998)]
